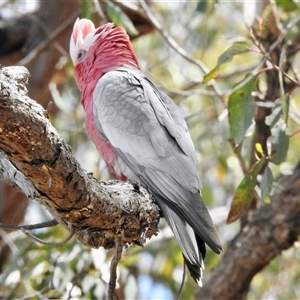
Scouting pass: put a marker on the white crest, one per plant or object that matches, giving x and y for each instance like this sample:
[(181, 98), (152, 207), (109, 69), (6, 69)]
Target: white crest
[(82, 37)]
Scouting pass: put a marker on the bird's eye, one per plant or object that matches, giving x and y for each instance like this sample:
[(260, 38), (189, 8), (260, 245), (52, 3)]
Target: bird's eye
[(81, 55)]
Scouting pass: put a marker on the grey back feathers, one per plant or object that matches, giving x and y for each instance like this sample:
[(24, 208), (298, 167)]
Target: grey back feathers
[(150, 137)]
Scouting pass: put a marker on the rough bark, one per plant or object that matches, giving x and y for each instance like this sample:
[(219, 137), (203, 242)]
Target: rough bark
[(271, 34), (96, 212), (271, 229)]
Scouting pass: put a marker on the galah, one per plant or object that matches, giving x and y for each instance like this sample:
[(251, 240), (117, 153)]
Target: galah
[(141, 134)]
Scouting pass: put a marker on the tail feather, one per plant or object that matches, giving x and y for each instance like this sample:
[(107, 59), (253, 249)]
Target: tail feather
[(195, 271), (192, 247)]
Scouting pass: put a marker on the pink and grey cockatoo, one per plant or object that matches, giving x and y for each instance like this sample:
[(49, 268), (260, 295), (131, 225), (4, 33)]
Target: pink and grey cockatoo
[(141, 134)]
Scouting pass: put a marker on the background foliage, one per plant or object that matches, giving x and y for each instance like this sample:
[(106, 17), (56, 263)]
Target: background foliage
[(207, 56)]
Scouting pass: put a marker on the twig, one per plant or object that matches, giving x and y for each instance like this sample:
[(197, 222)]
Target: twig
[(32, 55), (183, 92), (25, 228), (282, 73), (179, 49), (129, 5), (294, 113), (48, 243), (266, 56), (170, 40), (241, 70), (30, 227), (113, 270), (174, 92), (294, 133), (99, 11), (37, 295), (239, 156)]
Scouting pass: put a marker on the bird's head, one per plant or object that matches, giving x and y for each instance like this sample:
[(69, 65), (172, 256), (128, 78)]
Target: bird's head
[(95, 51), (81, 39), (107, 46)]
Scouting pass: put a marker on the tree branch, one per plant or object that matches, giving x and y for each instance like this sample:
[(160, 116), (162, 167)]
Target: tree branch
[(113, 271), (271, 229), (96, 212)]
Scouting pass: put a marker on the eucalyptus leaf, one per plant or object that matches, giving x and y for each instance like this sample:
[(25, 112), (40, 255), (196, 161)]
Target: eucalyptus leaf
[(241, 110), (266, 184), (279, 143), (287, 5), (274, 117), (236, 48), (244, 193)]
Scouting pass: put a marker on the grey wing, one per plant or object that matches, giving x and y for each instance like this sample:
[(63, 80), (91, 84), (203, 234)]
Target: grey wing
[(150, 136)]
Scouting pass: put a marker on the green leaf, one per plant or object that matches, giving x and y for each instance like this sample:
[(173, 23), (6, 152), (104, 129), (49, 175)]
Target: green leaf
[(86, 9), (284, 98), (244, 193), (205, 6), (241, 109), (201, 6), (257, 167), (285, 104), (266, 184), (274, 117), (119, 18), (287, 5), (279, 143), (234, 49), (238, 148)]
